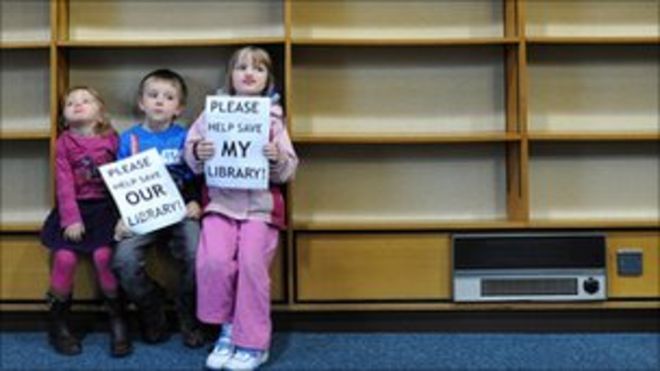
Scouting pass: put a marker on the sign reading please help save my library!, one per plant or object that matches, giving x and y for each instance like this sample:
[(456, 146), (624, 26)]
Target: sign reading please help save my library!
[(239, 128), (144, 192)]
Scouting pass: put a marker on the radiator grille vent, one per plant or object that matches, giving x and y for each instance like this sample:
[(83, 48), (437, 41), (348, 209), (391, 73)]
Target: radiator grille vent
[(526, 286)]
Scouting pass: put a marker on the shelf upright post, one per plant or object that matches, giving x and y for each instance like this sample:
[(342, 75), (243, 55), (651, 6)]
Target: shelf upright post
[(517, 153)]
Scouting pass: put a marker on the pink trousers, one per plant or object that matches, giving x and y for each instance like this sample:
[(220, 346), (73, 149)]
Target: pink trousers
[(233, 277)]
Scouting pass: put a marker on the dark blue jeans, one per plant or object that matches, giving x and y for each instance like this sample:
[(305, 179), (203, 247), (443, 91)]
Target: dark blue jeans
[(129, 264)]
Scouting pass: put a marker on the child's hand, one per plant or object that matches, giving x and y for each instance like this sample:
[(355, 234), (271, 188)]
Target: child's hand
[(204, 150), (193, 210), (271, 152), (121, 231), (74, 232)]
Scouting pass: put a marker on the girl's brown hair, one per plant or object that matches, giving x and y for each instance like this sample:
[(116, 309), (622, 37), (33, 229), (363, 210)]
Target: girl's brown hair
[(259, 56), (104, 125)]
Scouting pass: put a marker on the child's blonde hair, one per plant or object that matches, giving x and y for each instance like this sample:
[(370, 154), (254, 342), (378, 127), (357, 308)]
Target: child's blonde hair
[(104, 125), (259, 56)]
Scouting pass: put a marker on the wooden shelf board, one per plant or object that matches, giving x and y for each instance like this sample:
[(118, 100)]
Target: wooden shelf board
[(594, 223), (593, 136), (403, 41), (24, 135), (593, 40), (450, 306), (24, 44), (404, 138), (169, 43), (20, 227), (305, 225)]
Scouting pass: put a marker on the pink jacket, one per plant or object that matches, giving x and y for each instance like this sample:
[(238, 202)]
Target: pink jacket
[(76, 175), (266, 205)]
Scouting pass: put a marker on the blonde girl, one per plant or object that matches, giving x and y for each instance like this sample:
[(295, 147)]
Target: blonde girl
[(240, 229), (83, 220)]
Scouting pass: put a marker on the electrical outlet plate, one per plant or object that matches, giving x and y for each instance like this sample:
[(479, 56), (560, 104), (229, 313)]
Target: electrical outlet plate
[(629, 262)]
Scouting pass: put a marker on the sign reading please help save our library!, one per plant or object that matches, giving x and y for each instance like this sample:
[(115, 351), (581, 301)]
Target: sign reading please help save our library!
[(239, 128), (144, 192)]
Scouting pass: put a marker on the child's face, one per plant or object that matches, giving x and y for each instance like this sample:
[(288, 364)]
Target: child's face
[(160, 101), (249, 78), (81, 108)]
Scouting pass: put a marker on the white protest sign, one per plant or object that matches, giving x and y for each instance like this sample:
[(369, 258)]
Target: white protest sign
[(239, 128), (144, 192)]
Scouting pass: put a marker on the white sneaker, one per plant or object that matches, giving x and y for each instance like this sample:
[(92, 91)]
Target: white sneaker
[(219, 356), (246, 360), (222, 351)]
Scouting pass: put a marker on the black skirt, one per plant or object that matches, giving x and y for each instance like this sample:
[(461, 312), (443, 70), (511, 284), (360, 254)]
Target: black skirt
[(98, 216)]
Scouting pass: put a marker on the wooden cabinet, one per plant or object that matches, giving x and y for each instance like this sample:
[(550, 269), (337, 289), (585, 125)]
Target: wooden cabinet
[(360, 267), (413, 120), (25, 271)]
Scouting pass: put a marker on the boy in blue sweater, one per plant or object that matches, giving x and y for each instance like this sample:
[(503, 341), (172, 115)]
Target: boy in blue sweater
[(162, 96)]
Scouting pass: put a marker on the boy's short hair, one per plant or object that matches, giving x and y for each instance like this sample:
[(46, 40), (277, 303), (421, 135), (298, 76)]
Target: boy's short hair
[(167, 75)]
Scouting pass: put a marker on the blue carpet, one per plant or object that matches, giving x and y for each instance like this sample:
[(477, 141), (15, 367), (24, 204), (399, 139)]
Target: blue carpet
[(364, 351)]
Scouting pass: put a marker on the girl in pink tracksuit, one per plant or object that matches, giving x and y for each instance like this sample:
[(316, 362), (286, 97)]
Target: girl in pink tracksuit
[(240, 229)]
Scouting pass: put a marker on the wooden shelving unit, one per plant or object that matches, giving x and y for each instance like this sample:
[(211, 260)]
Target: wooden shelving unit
[(414, 120), (25, 117)]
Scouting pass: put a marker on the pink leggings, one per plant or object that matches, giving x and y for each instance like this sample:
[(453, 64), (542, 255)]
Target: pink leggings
[(64, 270)]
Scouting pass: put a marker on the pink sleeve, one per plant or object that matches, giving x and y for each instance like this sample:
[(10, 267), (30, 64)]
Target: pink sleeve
[(114, 143), (196, 133), (283, 170), (65, 186)]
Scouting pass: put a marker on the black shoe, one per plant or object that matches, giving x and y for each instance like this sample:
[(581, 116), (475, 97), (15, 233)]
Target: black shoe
[(153, 319), (192, 333), (154, 326), (120, 340), (59, 334), (193, 337), (155, 335)]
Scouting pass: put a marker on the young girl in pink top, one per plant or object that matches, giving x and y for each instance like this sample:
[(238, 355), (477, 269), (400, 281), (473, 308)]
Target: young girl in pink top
[(83, 219), (240, 229)]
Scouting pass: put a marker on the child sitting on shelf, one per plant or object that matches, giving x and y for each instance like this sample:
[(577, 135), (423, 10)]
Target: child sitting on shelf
[(83, 220)]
